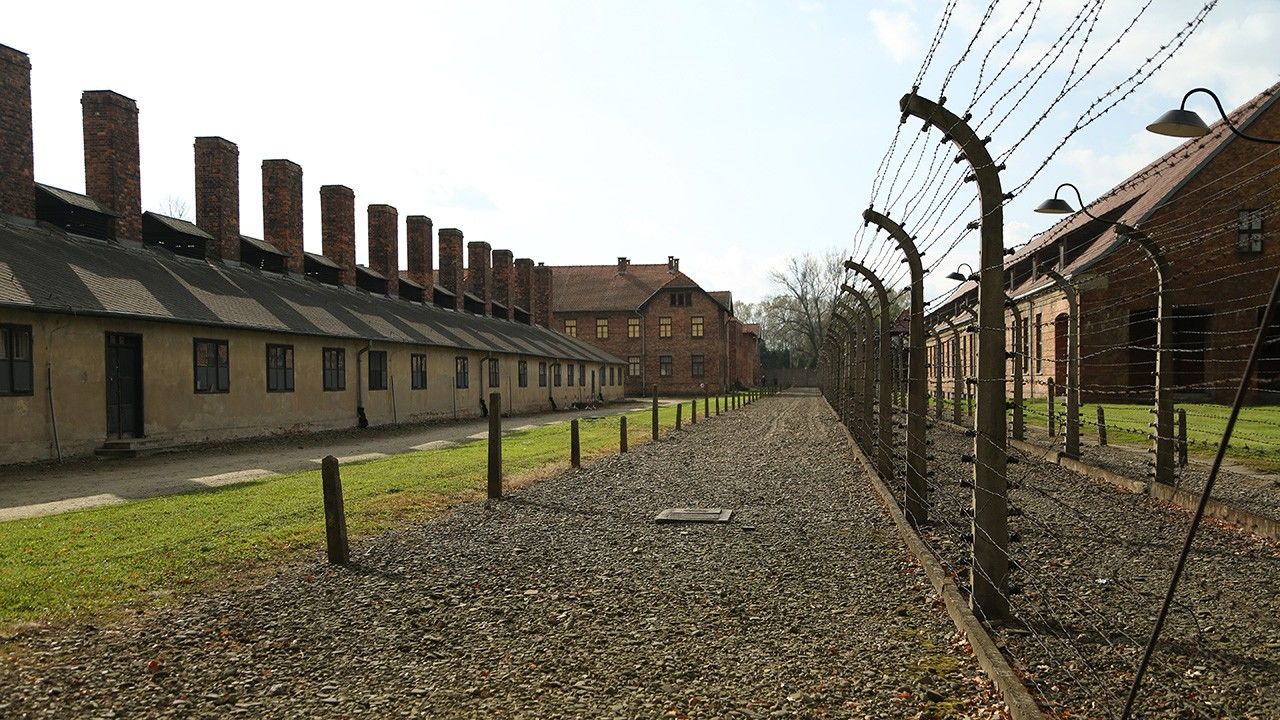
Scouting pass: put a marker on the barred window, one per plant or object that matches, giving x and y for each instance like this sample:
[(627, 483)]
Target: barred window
[(335, 369), (495, 372), (664, 327), (461, 373), (695, 326), (279, 368), (212, 366), (664, 365), (633, 327), (418, 371), (15, 360), (377, 370)]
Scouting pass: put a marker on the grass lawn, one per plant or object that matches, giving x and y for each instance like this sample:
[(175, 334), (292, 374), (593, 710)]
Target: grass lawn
[(69, 565)]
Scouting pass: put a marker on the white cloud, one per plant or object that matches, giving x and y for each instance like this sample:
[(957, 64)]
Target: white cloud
[(897, 32)]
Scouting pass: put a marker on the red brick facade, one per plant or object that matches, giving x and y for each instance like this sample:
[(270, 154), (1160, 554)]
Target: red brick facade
[(282, 209), (17, 163), (218, 194), (338, 229), (112, 174)]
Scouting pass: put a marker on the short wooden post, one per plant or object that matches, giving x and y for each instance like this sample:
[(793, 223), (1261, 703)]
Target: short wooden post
[(706, 403), (1102, 427), (335, 516), (622, 434), (717, 406), (575, 448), (693, 411), (679, 413), (1182, 437), (655, 412), (1053, 419), (495, 446)]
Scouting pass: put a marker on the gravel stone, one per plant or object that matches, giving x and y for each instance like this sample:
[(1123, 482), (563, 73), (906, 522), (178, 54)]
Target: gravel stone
[(564, 600)]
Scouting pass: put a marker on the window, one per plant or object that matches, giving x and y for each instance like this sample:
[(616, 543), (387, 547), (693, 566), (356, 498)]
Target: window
[(1039, 345), (633, 327), (664, 327), (571, 367), (15, 360), (279, 368), (557, 378), (522, 373), (697, 365), (633, 366), (461, 373), (495, 372), (611, 375), (682, 299), (212, 367), (418, 371), (1250, 239), (582, 374), (571, 328), (664, 365), (335, 369), (695, 326), (542, 374), (602, 328), (377, 370)]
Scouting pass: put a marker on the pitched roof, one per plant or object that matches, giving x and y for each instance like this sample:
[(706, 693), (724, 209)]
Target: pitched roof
[(74, 198), (182, 226), (46, 269), (601, 287), (751, 328), (724, 298), (1132, 201)]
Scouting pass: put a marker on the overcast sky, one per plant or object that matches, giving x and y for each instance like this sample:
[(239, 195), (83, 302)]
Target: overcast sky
[(729, 134)]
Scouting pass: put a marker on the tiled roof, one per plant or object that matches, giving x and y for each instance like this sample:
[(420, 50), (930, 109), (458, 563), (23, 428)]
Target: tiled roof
[(46, 269), (601, 287), (724, 298), (1134, 200)]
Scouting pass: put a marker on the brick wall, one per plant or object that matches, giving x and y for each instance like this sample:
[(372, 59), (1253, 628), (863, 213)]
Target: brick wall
[(384, 245), (282, 209), (338, 229), (17, 160), (418, 241), (111, 168), (450, 255), (218, 195)]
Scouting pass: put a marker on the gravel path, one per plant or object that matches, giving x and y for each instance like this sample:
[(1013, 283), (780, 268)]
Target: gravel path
[(565, 600), (1096, 563)]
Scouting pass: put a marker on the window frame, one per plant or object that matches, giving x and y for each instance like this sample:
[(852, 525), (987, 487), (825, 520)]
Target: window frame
[(417, 371), (495, 372), (602, 328), (569, 378), (1249, 232), (8, 356), (666, 366), (698, 365), (217, 388), (382, 369), (634, 366), (339, 372), (542, 374), (697, 326), (522, 373), (461, 372), (285, 372), (571, 327), (557, 374), (664, 327), (633, 328)]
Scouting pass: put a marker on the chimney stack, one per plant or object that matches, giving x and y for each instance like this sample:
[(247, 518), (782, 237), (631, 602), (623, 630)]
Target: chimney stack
[(623, 264), (479, 276), (450, 253), (282, 210), (384, 245), (673, 264), (542, 296), (417, 235), (338, 229), (522, 294), (17, 159), (111, 167), (502, 277), (218, 195)]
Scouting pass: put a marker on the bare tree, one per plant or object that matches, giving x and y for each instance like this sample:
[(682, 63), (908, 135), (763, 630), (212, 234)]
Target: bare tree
[(175, 206), (799, 314)]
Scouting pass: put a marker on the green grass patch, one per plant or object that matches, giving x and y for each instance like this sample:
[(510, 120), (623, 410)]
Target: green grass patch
[(69, 565)]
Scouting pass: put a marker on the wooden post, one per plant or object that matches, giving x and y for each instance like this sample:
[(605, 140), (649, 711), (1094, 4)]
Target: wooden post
[(495, 446), (706, 403), (575, 449), (655, 412), (693, 411), (1053, 419), (1182, 437), (335, 516), (679, 413), (717, 406), (622, 434), (1102, 427)]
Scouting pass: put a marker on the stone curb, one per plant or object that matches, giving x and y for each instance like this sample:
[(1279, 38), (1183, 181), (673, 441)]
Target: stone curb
[(1022, 706)]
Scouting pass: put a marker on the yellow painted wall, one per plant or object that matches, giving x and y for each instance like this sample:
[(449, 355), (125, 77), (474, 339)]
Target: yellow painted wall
[(74, 350)]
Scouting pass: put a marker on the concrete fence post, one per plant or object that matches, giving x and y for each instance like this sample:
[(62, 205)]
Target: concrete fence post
[(335, 515), (1102, 427)]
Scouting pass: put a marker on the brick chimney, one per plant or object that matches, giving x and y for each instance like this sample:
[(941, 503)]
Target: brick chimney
[(417, 235), (450, 252), (673, 264), (522, 292), (623, 264), (338, 229), (282, 209), (479, 276), (17, 159), (111, 167), (218, 195), (384, 245), (503, 271), (541, 309)]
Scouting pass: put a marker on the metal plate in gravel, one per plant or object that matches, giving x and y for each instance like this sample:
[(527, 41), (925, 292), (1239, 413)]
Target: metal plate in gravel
[(694, 515)]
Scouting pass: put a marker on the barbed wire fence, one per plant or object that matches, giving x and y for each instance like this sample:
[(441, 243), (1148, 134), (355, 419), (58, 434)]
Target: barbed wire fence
[(1095, 539)]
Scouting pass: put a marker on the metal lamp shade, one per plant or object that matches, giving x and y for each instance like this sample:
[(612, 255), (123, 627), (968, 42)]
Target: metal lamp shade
[(1179, 123), (1055, 206)]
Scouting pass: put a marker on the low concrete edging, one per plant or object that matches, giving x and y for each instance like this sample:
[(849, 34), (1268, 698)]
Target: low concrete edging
[(1022, 706), (1245, 519)]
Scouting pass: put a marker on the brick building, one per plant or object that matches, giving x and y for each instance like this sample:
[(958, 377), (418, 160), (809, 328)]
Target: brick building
[(120, 327), (1210, 204), (669, 330)]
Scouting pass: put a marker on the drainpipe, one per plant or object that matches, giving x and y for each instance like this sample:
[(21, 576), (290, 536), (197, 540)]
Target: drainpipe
[(48, 384), (362, 420)]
